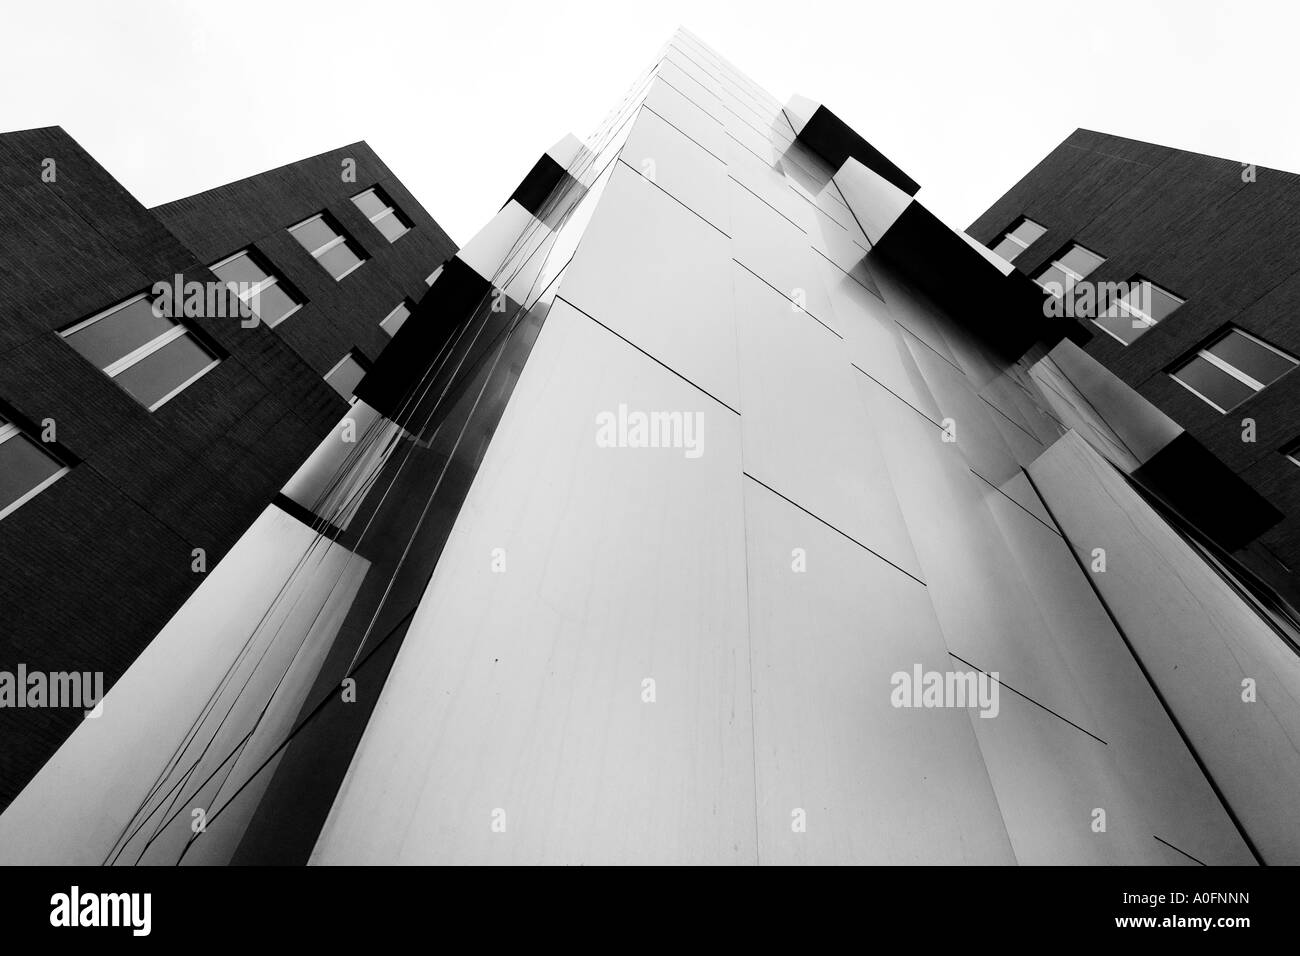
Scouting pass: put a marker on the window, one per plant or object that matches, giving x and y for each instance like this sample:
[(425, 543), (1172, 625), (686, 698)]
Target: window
[(1139, 307), (328, 244), (1071, 267), (251, 282), (1292, 452), (26, 468), (153, 357), (1018, 238), (1231, 369), (378, 208), (397, 318), (347, 375)]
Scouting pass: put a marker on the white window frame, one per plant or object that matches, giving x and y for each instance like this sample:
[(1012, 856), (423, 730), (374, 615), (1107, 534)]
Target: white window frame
[(404, 304), (1232, 370), (116, 368), (338, 365), (1016, 239), (1138, 318), (1066, 269), (339, 237), (388, 210), (272, 279), (9, 430)]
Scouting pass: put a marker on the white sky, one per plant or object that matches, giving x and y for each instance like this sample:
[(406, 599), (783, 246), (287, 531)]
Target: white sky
[(176, 96)]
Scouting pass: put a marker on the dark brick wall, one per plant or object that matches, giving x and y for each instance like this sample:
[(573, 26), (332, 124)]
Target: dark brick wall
[(340, 315), (1230, 248), (92, 567)]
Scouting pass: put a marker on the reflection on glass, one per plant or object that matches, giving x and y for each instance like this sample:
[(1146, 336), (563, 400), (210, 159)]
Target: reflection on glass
[(313, 234), (1212, 383), (159, 375), (241, 268), (370, 204), (392, 228), (339, 261), (118, 333), (1246, 354), (272, 303), (346, 376), (24, 466)]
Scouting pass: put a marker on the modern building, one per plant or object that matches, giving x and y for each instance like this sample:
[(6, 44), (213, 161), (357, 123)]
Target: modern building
[(137, 444), (717, 504), (1212, 243)]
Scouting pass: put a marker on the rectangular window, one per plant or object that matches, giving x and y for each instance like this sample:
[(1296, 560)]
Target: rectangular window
[(1072, 266), (347, 375), (379, 209), (26, 468), (1232, 368), (152, 356), (1141, 305), (252, 282), (329, 245), (397, 318), (1018, 238)]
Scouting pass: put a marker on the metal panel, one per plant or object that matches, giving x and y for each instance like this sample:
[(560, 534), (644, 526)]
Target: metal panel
[(1195, 637), (682, 168), (876, 784), (806, 434), (656, 273), (522, 691), (84, 799)]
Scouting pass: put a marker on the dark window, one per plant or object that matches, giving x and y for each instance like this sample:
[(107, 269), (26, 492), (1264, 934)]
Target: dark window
[(1137, 308), (347, 375), (26, 468), (152, 356), (1292, 451), (1018, 238), (379, 209), (254, 282), (1073, 265), (1232, 368), (397, 318), (328, 244)]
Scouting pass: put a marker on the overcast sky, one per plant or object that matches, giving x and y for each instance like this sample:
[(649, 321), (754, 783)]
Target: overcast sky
[(175, 96)]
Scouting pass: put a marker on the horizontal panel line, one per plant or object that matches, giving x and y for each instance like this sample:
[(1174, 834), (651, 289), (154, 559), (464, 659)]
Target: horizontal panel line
[(896, 395), (1032, 701), (660, 78), (787, 298), (671, 196), (650, 109), (767, 204), (931, 348), (849, 274), (842, 534), (1016, 503), (652, 358), (1176, 850), (1036, 439), (745, 146)]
